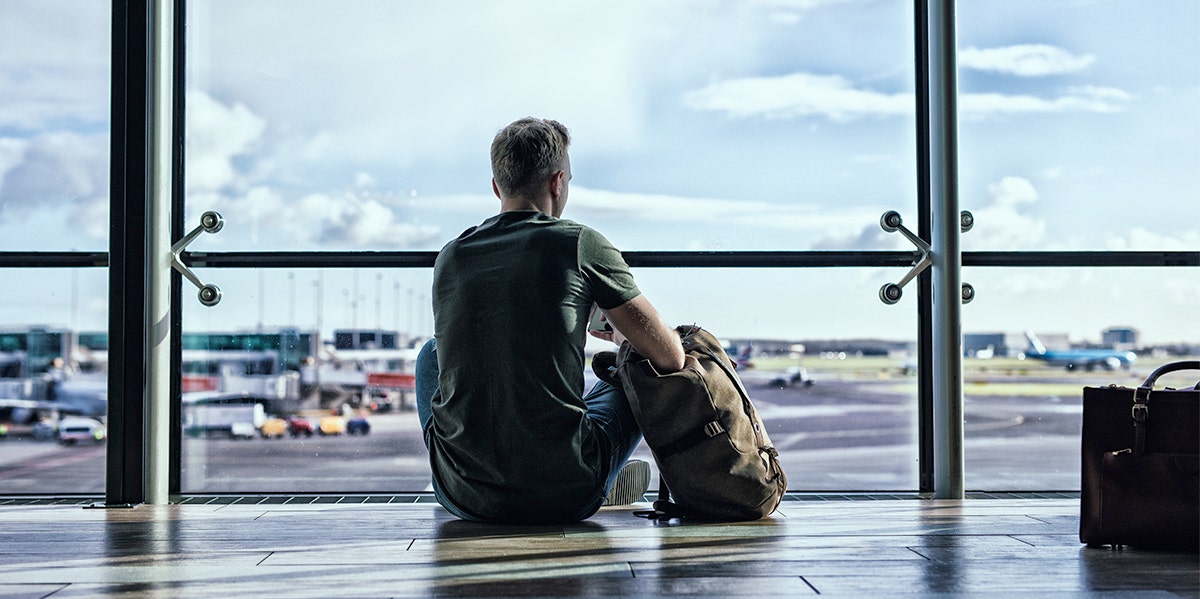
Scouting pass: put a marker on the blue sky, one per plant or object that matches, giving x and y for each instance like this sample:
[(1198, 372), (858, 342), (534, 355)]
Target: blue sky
[(757, 124)]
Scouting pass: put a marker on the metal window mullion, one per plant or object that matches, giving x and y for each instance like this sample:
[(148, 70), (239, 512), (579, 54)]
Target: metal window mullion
[(125, 457), (693, 259), (644, 259), (177, 232), (160, 66), (925, 430), (946, 272)]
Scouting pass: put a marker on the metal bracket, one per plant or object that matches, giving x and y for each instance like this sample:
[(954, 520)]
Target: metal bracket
[(210, 222), (891, 293)]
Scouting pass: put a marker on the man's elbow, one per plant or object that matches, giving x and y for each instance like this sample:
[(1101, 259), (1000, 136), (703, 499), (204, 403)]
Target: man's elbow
[(671, 361)]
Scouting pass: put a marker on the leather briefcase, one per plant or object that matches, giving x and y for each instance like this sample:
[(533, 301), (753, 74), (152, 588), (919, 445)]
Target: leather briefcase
[(1141, 465)]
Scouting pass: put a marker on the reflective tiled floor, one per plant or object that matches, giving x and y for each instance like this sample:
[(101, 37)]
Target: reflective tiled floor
[(267, 548)]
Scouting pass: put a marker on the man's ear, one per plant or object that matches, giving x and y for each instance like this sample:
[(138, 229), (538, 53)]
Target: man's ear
[(557, 181), (496, 189)]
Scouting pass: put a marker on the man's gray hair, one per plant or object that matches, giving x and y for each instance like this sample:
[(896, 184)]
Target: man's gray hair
[(526, 153)]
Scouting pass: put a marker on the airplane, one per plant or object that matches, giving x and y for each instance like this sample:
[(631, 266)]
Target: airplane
[(28, 411), (742, 356), (1072, 359)]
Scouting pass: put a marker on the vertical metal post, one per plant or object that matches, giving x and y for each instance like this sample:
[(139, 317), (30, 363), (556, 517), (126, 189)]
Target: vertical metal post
[(947, 255), (158, 232), (177, 232), (125, 458), (925, 429)]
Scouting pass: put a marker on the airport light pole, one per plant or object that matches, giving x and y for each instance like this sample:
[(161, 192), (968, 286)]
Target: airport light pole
[(318, 290), (396, 304), (291, 299), (379, 308)]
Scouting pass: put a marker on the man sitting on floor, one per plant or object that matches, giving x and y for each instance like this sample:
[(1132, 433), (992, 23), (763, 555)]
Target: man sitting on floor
[(500, 387)]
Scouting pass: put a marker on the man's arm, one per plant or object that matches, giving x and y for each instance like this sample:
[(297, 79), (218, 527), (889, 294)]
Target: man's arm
[(638, 321)]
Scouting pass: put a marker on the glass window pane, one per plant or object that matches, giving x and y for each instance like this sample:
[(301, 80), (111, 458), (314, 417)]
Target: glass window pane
[(301, 381), (1079, 124), (830, 368), (54, 140), (760, 125), (54, 119), (852, 427), (1035, 337), (53, 380)]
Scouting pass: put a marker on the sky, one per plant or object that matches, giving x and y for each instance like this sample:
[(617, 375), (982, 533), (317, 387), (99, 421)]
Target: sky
[(697, 125)]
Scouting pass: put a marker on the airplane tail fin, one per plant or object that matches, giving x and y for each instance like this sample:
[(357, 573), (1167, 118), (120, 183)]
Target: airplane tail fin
[(1034, 343), (742, 357)]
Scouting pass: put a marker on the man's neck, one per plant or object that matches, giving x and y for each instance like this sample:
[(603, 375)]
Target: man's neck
[(525, 205)]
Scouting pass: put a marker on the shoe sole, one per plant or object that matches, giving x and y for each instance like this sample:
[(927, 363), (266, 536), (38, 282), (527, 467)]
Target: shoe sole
[(631, 485)]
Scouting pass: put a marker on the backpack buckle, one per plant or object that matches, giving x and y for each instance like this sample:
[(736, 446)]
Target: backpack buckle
[(713, 429)]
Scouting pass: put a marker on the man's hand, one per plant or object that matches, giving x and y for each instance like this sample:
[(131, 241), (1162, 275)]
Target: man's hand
[(614, 335), (638, 321)]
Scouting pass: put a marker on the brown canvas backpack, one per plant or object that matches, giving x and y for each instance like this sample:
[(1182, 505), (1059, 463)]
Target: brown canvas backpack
[(714, 457)]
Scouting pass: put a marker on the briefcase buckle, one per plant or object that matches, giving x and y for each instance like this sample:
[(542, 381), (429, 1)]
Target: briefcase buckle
[(1141, 412)]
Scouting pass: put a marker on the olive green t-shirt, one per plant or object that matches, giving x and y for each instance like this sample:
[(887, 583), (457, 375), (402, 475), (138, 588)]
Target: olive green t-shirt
[(509, 440)]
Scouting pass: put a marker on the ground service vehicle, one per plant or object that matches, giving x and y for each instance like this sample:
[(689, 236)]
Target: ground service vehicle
[(332, 425), (273, 428), (76, 430)]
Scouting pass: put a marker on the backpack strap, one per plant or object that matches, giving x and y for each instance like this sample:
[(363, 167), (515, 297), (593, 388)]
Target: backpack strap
[(664, 509), (604, 365), (690, 440)]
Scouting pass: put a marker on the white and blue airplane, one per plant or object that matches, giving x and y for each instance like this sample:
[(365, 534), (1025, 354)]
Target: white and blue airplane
[(1073, 359)]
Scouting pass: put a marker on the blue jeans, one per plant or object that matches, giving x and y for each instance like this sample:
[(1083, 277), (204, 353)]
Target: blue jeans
[(607, 410)]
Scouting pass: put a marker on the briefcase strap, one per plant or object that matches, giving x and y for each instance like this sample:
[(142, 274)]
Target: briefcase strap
[(1141, 412), (1141, 400), (1170, 367)]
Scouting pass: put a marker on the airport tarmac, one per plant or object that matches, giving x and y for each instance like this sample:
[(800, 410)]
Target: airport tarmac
[(847, 433)]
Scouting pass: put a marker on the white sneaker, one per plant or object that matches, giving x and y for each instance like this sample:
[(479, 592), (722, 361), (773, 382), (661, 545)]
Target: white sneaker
[(632, 482)]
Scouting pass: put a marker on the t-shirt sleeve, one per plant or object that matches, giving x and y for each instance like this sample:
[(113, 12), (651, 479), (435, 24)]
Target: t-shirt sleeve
[(605, 270)]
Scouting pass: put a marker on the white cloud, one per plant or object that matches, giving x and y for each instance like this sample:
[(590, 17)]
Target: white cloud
[(1024, 60), (799, 5), (728, 214), (216, 134), (1079, 99), (267, 218), (791, 12), (1141, 239), (797, 95), (1001, 223), (1012, 191), (835, 98), (364, 180), (1053, 172), (11, 153), (354, 93), (54, 67), (56, 169), (868, 237), (90, 218)]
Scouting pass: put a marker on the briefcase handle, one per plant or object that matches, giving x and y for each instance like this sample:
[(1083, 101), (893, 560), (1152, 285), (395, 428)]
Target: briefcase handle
[(1172, 367)]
